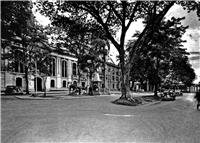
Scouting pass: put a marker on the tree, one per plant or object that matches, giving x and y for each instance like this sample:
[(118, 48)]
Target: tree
[(163, 56), (43, 61), (24, 50), (114, 16), (14, 17), (94, 59), (79, 39)]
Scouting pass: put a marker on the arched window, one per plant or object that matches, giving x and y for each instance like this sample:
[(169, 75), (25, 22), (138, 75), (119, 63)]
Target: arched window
[(19, 67), (74, 68), (52, 83), (53, 66), (64, 68)]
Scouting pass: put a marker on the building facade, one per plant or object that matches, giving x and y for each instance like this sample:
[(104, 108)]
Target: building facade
[(63, 73)]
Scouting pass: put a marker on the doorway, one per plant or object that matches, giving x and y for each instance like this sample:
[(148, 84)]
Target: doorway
[(19, 81), (39, 84)]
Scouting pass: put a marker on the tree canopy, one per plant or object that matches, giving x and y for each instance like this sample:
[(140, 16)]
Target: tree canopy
[(14, 17), (163, 61), (115, 16)]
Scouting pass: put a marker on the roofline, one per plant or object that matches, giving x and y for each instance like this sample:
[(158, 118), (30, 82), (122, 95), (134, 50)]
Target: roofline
[(111, 64)]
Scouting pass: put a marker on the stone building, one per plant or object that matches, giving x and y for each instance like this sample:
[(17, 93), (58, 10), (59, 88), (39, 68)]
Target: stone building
[(63, 73)]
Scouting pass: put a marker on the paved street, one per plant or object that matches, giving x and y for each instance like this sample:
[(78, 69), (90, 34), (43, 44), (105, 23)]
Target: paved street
[(96, 119)]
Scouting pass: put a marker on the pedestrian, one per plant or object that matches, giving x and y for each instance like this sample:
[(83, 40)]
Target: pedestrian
[(197, 97)]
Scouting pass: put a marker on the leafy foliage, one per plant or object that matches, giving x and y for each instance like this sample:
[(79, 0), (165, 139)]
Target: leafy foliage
[(14, 18), (114, 16), (163, 60)]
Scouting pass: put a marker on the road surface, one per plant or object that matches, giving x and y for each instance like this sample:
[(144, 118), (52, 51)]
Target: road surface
[(98, 120)]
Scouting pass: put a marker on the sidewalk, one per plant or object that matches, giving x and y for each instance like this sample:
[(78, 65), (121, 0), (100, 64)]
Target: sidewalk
[(63, 95), (52, 97)]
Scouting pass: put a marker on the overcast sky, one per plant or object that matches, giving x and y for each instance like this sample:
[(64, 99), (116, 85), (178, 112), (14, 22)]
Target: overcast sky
[(192, 36)]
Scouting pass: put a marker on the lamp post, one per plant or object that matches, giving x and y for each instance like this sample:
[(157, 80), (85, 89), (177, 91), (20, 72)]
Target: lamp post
[(35, 78)]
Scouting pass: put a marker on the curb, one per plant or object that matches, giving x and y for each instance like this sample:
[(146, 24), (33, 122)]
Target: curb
[(51, 98), (151, 103)]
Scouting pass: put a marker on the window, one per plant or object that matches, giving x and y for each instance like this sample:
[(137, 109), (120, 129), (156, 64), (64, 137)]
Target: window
[(53, 67), (74, 68), (83, 84), (117, 73), (19, 81), (64, 68), (16, 66), (64, 83), (18, 62), (113, 85), (52, 83), (21, 67)]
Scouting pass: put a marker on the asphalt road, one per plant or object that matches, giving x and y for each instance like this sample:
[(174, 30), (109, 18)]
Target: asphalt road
[(98, 120)]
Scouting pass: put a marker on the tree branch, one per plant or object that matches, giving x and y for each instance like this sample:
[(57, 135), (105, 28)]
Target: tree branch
[(133, 14), (145, 37), (115, 12)]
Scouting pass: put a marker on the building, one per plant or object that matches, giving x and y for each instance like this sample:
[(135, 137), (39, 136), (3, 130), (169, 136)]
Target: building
[(112, 76), (63, 73)]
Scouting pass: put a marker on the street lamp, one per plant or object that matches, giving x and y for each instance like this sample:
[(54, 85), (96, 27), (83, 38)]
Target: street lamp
[(35, 78)]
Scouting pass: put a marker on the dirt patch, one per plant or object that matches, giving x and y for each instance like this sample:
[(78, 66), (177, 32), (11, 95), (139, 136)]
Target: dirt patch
[(135, 101), (128, 102)]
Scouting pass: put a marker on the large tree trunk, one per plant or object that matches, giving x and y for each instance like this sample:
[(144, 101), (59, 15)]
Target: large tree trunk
[(156, 78), (79, 81), (26, 80), (90, 76), (125, 70), (45, 88), (156, 83)]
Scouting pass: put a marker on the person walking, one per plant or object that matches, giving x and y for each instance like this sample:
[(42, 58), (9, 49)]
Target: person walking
[(197, 97)]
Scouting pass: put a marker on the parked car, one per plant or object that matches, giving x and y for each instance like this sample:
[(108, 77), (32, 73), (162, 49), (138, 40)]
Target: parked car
[(10, 90), (178, 93), (167, 95)]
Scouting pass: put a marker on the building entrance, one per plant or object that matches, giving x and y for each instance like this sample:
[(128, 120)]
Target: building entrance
[(39, 84), (19, 81)]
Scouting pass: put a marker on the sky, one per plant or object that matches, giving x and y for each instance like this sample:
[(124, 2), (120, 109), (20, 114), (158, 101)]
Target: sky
[(192, 35)]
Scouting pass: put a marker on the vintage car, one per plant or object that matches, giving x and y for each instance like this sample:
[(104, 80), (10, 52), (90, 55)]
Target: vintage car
[(178, 92), (167, 95), (10, 90)]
